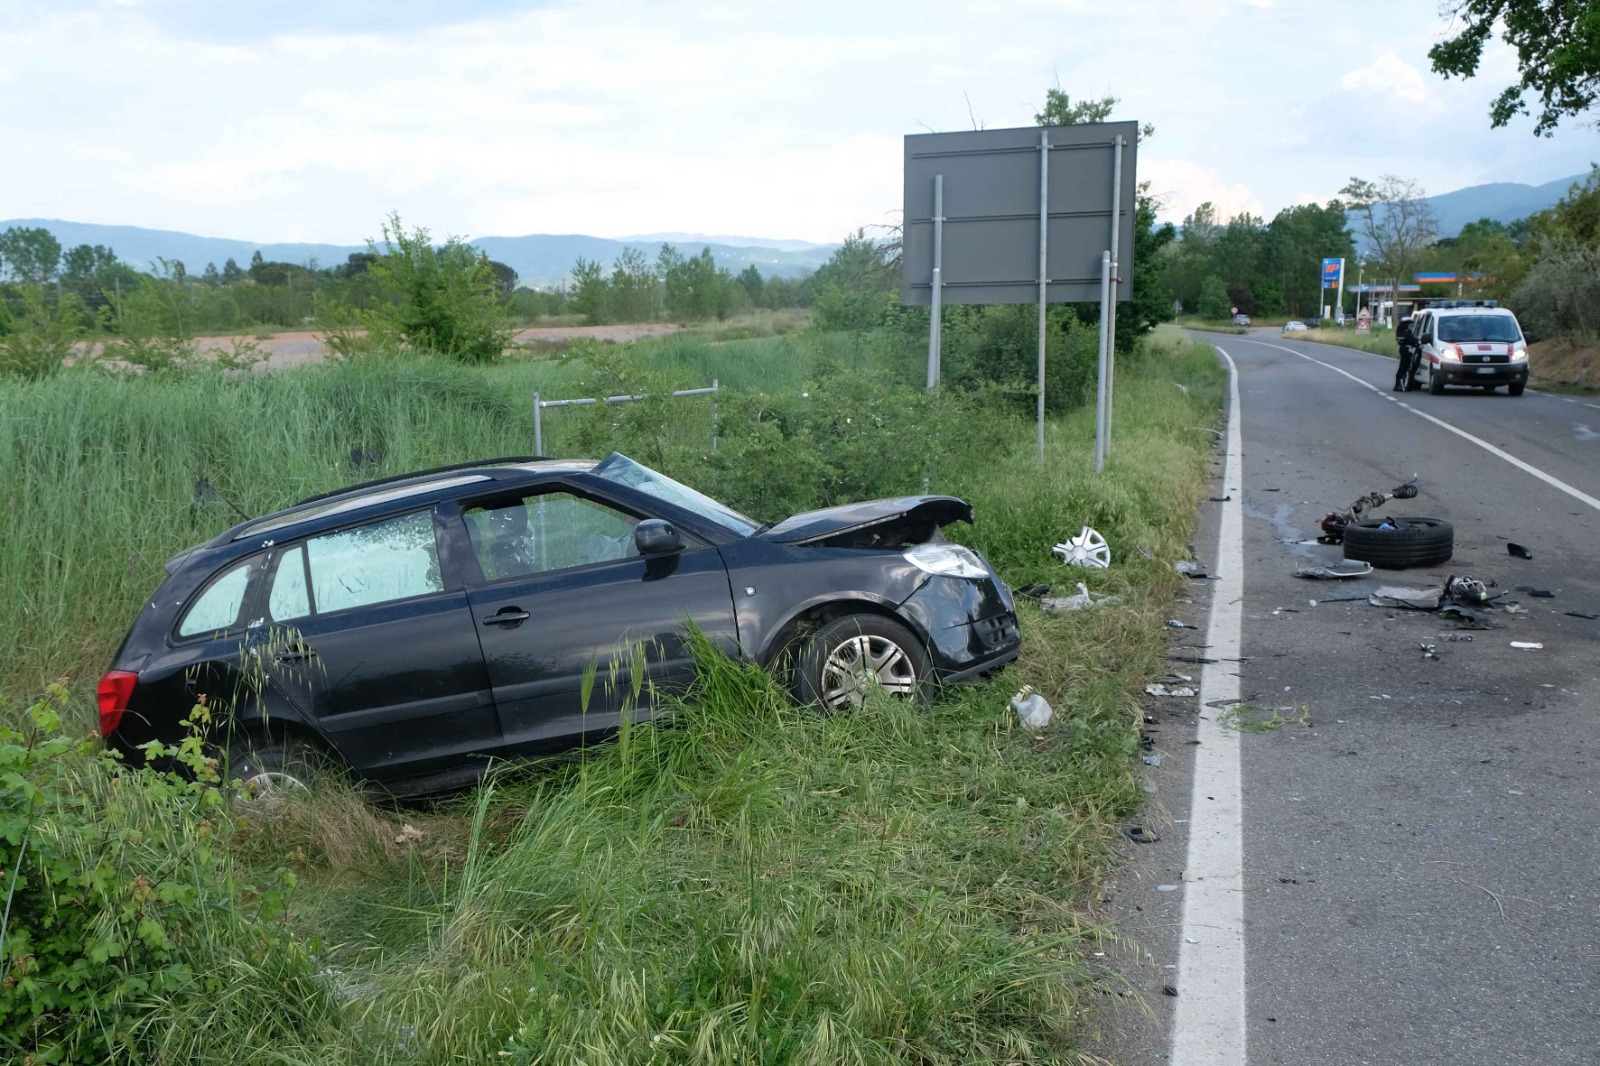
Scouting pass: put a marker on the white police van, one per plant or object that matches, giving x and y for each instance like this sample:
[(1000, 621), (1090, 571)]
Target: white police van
[(1474, 343)]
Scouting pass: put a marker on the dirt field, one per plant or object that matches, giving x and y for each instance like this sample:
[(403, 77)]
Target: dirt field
[(285, 350)]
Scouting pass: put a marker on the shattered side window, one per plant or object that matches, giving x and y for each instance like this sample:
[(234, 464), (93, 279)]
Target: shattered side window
[(391, 560)]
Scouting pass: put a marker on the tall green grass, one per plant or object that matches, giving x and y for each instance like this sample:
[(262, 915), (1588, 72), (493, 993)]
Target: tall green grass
[(740, 880)]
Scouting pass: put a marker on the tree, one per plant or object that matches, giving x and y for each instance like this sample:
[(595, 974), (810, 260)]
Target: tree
[(231, 273), (437, 299), (591, 292), (31, 254), (1396, 221), (209, 276), (1558, 54), (753, 284), (635, 289), (505, 279), (1214, 303)]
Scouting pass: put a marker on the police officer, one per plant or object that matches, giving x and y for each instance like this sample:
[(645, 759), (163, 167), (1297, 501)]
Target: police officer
[(1410, 356)]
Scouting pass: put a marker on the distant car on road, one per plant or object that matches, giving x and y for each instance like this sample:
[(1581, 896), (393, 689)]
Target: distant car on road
[(1294, 326), (1241, 320), (415, 628), (1472, 343)]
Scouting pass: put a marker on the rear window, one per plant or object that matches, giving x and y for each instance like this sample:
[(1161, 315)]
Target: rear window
[(217, 608), (1488, 328)]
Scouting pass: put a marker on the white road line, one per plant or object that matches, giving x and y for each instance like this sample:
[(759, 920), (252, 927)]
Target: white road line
[(1525, 467), (1209, 1024)]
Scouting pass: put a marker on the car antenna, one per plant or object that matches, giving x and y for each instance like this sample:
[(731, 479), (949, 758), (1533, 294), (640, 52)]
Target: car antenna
[(205, 492)]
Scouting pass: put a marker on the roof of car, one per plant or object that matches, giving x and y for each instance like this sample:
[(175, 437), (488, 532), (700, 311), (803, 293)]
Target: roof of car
[(400, 487)]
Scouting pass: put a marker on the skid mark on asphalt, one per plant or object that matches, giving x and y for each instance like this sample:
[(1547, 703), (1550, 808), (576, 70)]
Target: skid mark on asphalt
[(1209, 1023), (1525, 467)]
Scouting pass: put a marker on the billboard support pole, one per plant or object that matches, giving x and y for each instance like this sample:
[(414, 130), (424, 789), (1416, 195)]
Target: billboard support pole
[(1044, 279), (1116, 281), (1339, 313), (1102, 420), (935, 319)]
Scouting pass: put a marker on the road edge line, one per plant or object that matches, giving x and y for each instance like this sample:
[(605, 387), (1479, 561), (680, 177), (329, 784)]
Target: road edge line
[(1209, 1023), (1526, 467)]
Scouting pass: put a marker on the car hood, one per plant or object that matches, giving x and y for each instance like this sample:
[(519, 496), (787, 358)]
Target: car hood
[(898, 522)]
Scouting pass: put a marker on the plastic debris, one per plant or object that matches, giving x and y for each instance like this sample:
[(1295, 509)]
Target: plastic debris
[(1031, 708), (1582, 614), (1466, 591), (1168, 990), (1332, 573), (1429, 651), (1153, 759), (1166, 888), (1140, 835), (1083, 600), (1173, 623), (1189, 568), (1466, 617), (1167, 690), (1200, 659), (1538, 594), (1033, 592), (1221, 499), (1527, 645), (1456, 638), (1518, 550), (1181, 387), (1410, 599), (1088, 548)]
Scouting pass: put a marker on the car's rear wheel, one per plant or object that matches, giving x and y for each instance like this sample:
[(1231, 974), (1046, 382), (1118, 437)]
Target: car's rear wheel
[(1516, 387), (847, 658), (268, 769), (1398, 543)]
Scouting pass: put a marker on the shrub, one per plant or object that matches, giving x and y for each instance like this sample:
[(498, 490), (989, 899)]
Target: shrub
[(442, 299), (123, 911), (35, 343)]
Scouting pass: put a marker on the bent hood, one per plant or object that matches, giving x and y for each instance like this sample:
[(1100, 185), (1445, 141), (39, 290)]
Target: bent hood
[(899, 522)]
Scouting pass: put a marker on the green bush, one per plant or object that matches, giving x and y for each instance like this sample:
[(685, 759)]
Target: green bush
[(34, 343), (442, 299), (122, 905)]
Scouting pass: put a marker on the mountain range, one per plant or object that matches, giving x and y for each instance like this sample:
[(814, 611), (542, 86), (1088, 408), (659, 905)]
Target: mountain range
[(538, 258), (1500, 201)]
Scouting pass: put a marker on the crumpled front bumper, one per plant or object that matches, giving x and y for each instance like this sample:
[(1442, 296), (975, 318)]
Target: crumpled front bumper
[(971, 625)]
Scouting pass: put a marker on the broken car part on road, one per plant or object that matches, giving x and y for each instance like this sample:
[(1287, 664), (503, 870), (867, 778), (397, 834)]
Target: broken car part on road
[(1088, 549)]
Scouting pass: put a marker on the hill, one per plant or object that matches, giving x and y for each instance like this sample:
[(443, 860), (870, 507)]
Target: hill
[(1501, 201), (538, 258)]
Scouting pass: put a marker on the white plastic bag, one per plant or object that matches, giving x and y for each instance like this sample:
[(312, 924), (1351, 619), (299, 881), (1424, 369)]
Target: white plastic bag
[(1032, 710)]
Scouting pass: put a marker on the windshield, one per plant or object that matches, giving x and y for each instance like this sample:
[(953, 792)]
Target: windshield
[(1497, 328), (624, 471)]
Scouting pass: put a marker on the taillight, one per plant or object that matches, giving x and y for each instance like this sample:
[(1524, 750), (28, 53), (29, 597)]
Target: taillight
[(113, 693)]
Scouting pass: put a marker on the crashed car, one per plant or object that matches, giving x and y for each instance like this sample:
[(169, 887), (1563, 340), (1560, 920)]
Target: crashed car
[(414, 628)]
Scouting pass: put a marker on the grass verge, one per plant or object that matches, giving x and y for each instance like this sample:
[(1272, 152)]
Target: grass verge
[(741, 881)]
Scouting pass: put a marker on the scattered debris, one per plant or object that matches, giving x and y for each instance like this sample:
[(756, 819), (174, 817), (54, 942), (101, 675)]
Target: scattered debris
[(1466, 591), (1166, 888), (1084, 599), (1189, 568), (1410, 599), (1456, 638), (409, 834), (1518, 550), (1165, 690), (1582, 614), (1168, 990), (1466, 617), (1181, 387), (1221, 499), (1288, 881), (1088, 549), (1033, 592), (1201, 659), (1031, 708), (1330, 573), (1514, 608), (1153, 759), (1527, 645), (1140, 835), (1429, 651), (1173, 623), (1147, 741), (1538, 594)]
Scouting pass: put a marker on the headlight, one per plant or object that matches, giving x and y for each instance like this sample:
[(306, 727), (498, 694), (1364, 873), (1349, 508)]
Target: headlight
[(951, 560), (1519, 355), (1449, 354)]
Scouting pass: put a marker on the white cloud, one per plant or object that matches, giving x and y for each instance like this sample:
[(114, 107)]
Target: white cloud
[(1182, 186), (1387, 76)]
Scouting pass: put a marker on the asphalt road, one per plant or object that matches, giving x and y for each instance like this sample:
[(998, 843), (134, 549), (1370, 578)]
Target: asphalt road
[(1421, 872)]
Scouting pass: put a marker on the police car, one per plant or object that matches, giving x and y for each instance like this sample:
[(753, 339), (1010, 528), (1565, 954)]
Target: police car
[(1473, 343)]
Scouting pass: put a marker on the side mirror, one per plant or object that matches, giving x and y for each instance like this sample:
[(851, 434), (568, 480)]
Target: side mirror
[(656, 536)]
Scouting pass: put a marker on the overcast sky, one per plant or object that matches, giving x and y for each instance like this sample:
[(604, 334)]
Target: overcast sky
[(275, 120)]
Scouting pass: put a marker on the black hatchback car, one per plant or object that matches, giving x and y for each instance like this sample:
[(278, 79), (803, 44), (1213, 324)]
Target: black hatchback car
[(415, 628)]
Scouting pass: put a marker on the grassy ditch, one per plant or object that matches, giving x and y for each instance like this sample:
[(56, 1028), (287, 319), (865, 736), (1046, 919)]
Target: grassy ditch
[(1377, 342), (742, 881)]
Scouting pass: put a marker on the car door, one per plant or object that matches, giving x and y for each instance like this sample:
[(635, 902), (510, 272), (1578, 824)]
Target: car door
[(366, 639), (575, 625), (1424, 332)]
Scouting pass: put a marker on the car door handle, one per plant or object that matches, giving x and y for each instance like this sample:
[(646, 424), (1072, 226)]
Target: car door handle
[(296, 655), (507, 616)]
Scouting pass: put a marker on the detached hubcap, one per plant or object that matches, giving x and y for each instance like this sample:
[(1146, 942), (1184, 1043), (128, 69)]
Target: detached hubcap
[(862, 662)]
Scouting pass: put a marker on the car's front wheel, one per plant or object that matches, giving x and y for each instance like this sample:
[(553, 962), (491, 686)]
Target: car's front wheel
[(847, 658), (1516, 387), (1435, 381)]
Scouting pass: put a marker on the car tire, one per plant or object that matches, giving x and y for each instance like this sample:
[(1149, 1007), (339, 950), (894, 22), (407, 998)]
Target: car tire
[(1516, 387), (1435, 381), (1412, 542), (268, 768), (840, 661)]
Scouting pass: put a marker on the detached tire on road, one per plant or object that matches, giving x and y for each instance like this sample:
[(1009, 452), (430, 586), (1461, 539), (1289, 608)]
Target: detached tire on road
[(1413, 542)]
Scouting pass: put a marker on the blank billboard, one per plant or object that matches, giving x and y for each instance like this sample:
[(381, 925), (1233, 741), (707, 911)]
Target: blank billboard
[(991, 213)]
